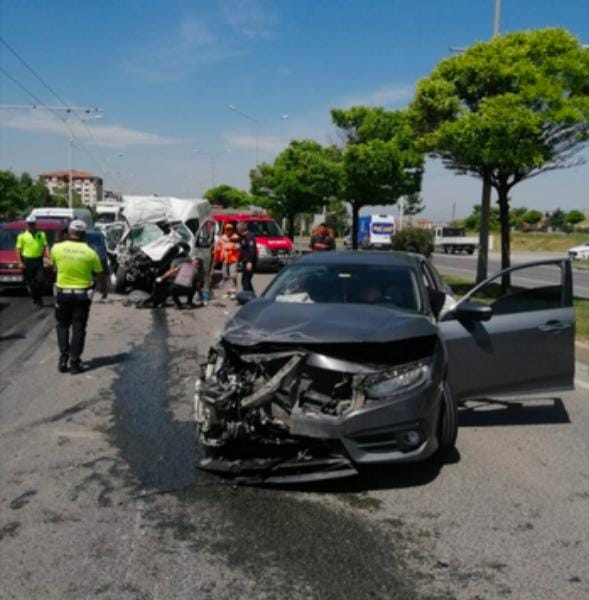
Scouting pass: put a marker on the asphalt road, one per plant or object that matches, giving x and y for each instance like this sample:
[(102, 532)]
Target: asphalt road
[(466, 266), (99, 497)]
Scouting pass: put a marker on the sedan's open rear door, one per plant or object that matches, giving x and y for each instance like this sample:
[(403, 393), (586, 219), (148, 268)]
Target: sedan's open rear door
[(524, 344)]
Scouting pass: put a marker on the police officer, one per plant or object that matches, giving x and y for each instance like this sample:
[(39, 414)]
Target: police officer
[(248, 255), (31, 245), (75, 262)]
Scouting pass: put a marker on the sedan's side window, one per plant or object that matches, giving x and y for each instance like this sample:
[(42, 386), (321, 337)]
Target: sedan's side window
[(532, 288)]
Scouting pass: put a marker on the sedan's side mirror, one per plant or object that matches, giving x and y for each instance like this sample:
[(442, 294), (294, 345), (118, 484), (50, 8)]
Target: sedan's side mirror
[(473, 311), (244, 297)]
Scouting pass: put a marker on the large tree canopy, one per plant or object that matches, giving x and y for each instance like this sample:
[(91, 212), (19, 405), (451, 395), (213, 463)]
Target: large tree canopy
[(381, 161), (302, 178), (507, 110), (228, 197)]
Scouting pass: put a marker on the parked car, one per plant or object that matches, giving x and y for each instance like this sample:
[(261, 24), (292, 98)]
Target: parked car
[(349, 359), (53, 213), (10, 273), (273, 246), (579, 252)]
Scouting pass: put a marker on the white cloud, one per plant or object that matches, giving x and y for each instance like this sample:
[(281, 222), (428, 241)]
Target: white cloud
[(254, 19), (385, 96), (103, 135), (179, 53)]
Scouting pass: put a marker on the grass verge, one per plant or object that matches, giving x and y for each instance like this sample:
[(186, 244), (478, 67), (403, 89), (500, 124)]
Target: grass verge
[(542, 242), (461, 285)]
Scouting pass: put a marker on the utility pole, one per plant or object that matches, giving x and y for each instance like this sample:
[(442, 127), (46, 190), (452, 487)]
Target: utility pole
[(483, 257)]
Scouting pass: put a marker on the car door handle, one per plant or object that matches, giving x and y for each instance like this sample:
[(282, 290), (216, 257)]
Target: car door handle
[(550, 326)]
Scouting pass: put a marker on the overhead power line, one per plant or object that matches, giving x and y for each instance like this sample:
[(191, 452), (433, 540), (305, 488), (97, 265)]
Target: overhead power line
[(32, 71), (53, 110)]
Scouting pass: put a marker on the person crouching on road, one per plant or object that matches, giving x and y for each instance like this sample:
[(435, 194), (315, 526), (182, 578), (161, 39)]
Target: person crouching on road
[(248, 255), (229, 243), (75, 262), (188, 276), (322, 239), (31, 247)]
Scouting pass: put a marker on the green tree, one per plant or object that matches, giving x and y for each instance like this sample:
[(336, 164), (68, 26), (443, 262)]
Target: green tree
[(516, 217), (532, 217), (413, 204), (18, 195), (337, 217), (507, 110), (59, 198), (381, 160), (473, 221), (300, 180), (574, 217), (228, 197), (557, 220)]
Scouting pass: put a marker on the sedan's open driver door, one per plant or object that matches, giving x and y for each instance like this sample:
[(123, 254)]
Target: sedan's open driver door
[(525, 344)]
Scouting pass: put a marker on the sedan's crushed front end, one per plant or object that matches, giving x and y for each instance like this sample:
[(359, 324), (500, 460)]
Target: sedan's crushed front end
[(280, 413)]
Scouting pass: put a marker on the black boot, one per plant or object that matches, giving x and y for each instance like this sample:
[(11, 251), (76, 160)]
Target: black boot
[(77, 366), (63, 366)]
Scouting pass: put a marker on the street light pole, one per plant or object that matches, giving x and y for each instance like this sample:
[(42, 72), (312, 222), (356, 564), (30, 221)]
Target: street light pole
[(257, 122), (70, 197), (213, 157)]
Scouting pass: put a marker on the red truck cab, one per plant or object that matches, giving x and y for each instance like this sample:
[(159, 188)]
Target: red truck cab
[(10, 273), (273, 246)]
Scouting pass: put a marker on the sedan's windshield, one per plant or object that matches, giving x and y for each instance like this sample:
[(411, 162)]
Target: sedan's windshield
[(8, 238), (389, 285)]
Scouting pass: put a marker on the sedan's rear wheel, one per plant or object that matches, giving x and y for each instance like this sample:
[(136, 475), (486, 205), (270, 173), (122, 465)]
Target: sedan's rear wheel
[(447, 424)]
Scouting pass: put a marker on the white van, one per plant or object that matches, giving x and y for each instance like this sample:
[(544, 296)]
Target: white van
[(52, 212)]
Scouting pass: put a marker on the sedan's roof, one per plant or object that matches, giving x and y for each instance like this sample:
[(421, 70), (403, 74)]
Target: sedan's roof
[(359, 258)]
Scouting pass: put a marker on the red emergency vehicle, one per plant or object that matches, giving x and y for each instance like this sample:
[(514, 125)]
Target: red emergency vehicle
[(273, 246)]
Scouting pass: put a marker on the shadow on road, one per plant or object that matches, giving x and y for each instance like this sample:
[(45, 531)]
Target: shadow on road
[(106, 361), (494, 413)]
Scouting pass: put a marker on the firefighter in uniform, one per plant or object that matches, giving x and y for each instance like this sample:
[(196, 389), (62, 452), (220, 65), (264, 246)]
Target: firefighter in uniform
[(75, 262), (31, 245)]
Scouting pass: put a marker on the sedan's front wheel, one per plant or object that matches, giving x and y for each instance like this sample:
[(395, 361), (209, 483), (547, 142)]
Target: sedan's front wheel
[(447, 424)]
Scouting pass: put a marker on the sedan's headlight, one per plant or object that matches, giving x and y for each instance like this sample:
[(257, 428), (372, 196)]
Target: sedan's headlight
[(401, 379)]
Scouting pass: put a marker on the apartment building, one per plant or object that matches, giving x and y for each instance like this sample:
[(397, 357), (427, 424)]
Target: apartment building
[(87, 185)]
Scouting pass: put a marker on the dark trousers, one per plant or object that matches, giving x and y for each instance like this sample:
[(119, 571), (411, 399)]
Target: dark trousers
[(246, 279), (34, 278), (179, 290), (71, 312)]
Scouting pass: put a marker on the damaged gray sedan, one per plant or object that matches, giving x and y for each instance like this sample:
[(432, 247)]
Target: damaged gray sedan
[(352, 359)]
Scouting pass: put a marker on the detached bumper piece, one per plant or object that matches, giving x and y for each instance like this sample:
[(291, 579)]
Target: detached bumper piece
[(272, 471)]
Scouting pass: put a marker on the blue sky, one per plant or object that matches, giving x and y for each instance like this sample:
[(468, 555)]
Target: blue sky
[(165, 71)]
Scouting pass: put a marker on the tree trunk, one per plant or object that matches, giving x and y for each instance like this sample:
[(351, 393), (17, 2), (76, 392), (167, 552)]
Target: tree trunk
[(483, 258), (355, 211), (505, 241), (291, 226)]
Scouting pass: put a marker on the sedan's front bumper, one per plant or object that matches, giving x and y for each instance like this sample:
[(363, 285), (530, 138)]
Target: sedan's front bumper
[(396, 430)]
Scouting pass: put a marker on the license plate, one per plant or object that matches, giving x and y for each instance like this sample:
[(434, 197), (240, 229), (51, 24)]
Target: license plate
[(11, 278)]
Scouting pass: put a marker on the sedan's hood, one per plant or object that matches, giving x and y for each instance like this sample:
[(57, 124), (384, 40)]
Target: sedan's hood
[(278, 322)]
